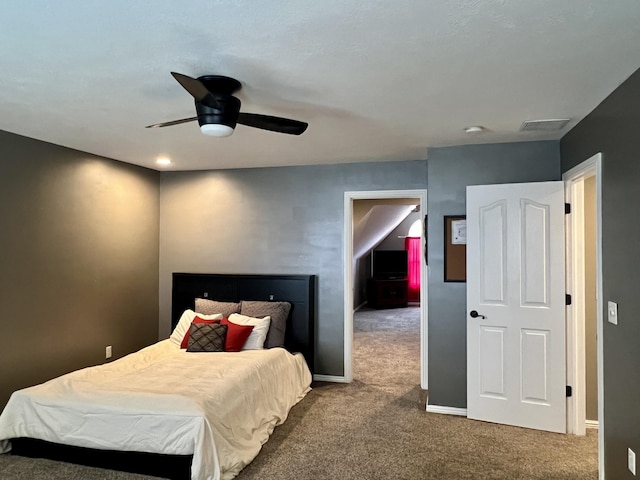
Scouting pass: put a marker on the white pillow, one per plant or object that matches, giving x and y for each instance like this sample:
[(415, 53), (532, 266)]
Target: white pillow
[(259, 332), (185, 323)]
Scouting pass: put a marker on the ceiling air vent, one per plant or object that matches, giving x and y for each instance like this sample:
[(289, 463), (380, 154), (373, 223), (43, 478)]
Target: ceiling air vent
[(552, 125)]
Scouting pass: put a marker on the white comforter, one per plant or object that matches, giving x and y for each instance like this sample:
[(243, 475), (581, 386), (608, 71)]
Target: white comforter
[(220, 407)]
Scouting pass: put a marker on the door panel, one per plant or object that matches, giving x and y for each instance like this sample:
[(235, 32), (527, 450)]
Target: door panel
[(493, 253), (515, 281), (534, 366), (492, 364), (535, 244)]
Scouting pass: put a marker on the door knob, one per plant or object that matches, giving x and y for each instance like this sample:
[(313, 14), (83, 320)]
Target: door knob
[(474, 314)]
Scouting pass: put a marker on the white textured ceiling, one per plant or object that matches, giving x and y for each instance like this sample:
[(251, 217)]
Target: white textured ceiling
[(375, 80)]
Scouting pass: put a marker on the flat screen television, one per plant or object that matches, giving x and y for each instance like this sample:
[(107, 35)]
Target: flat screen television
[(389, 264)]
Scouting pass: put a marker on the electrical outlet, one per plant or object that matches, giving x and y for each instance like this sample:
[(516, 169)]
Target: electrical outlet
[(107, 352), (631, 460)]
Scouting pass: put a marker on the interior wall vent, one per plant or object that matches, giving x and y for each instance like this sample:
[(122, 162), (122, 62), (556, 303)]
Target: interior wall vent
[(551, 125)]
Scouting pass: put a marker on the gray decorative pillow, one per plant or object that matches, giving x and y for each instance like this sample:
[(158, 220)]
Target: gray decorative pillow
[(208, 307), (207, 337), (278, 311)]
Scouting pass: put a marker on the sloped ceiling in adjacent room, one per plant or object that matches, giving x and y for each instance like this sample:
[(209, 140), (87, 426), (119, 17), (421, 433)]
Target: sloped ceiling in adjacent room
[(374, 226)]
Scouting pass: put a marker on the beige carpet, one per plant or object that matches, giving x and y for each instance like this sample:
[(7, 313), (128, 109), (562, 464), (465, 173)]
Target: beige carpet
[(377, 428)]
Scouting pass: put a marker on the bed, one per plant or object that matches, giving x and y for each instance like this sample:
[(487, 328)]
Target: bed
[(214, 409)]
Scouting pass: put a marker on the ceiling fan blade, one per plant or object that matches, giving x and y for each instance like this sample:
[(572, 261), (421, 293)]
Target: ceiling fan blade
[(197, 90), (275, 124), (173, 122)]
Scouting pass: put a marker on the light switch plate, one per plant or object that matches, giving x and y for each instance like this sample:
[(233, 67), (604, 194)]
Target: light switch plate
[(631, 463), (612, 312)]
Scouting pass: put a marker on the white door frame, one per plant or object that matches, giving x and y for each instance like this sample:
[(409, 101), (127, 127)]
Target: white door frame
[(349, 197), (576, 405)]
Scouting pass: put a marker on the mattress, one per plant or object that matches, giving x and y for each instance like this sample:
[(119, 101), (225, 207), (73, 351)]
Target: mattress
[(219, 407)]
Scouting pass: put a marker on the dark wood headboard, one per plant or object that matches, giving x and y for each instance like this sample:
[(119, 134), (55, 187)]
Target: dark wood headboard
[(299, 290)]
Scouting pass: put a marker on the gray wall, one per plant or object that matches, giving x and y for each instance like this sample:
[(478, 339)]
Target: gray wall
[(612, 129), (450, 170), (78, 260), (271, 220)]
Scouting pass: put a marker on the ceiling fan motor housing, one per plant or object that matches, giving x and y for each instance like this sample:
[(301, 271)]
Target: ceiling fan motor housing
[(219, 111), (227, 115)]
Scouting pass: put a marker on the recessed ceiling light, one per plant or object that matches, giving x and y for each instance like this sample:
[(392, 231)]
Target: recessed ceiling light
[(475, 129), (163, 161)]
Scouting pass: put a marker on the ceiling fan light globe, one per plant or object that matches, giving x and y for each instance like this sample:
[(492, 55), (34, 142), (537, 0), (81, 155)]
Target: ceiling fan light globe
[(216, 130)]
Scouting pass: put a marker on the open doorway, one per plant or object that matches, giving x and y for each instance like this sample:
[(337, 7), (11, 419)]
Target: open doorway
[(350, 270), (584, 315)]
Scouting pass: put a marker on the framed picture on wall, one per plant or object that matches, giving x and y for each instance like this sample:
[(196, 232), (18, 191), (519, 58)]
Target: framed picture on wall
[(455, 248)]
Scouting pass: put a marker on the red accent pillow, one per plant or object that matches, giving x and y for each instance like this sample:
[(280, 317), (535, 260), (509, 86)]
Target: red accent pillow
[(196, 319), (236, 335)]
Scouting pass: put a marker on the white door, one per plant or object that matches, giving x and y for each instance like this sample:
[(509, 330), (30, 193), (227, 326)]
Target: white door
[(515, 286)]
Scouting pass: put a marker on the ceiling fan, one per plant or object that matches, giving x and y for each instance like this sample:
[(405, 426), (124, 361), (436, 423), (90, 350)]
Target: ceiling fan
[(219, 111)]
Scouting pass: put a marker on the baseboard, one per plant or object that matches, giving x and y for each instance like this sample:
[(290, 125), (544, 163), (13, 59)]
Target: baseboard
[(359, 306), (447, 410), (328, 378), (591, 424)]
